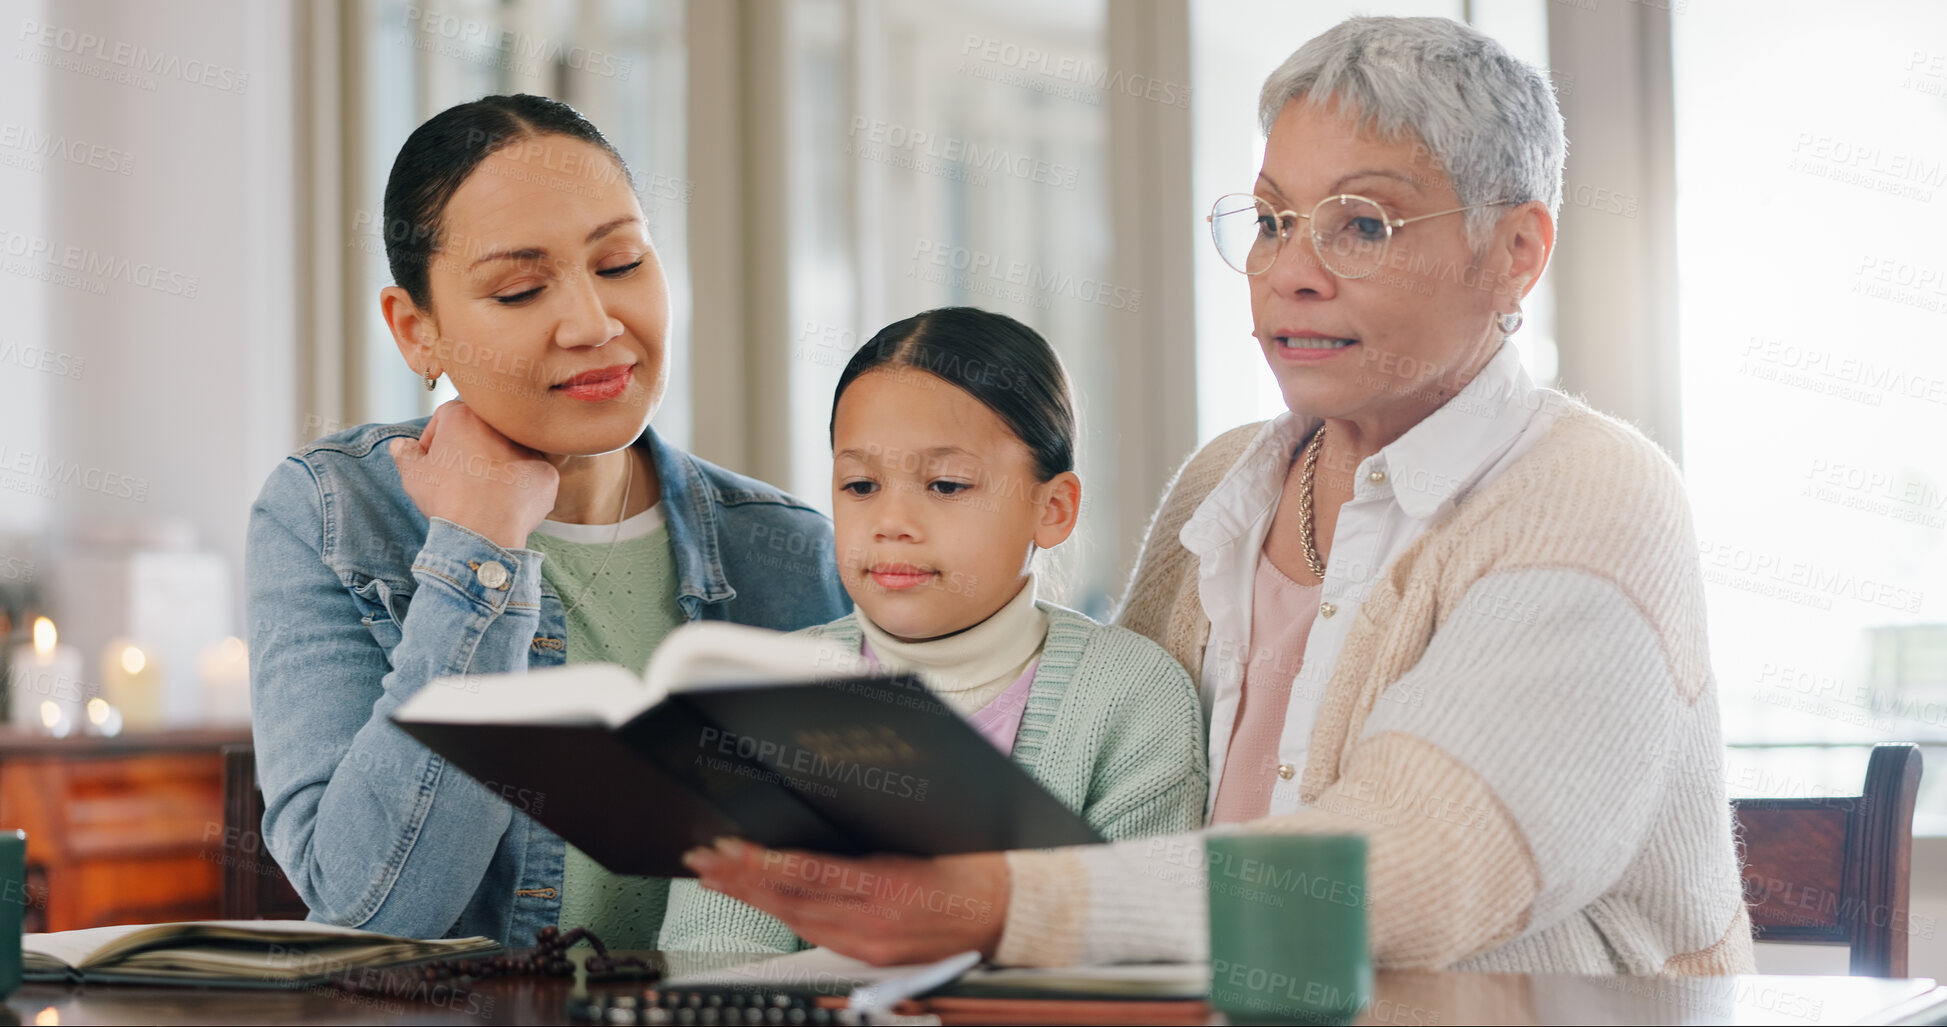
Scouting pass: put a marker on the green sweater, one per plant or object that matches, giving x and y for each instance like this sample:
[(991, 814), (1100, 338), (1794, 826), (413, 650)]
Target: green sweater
[(621, 619), (1112, 729)]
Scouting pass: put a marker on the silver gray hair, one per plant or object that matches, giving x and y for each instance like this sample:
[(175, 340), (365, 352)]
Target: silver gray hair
[(1489, 118)]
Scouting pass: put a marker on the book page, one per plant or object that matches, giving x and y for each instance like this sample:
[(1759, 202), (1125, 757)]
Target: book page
[(699, 656), (70, 948), (227, 957), (711, 655), (85, 948), (586, 693)]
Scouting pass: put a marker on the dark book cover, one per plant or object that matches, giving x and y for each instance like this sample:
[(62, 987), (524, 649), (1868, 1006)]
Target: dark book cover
[(848, 765)]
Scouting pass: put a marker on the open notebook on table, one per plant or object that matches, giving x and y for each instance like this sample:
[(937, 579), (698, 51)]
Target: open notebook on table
[(225, 953)]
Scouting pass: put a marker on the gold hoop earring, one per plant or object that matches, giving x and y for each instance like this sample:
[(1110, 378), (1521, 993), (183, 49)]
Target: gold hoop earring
[(432, 380)]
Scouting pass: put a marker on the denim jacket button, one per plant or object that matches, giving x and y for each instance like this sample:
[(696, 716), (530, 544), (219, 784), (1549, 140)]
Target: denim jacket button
[(492, 574)]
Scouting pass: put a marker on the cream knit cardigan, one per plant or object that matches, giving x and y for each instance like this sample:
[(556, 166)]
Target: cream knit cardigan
[(1555, 801)]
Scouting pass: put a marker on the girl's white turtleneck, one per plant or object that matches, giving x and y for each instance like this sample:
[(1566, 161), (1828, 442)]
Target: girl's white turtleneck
[(970, 669)]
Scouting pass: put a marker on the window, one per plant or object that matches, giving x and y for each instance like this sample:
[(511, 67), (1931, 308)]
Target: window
[(956, 154), (1813, 304), (1236, 44), (622, 63)]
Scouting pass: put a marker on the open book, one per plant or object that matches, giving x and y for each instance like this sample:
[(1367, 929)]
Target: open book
[(232, 953), (784, 740)]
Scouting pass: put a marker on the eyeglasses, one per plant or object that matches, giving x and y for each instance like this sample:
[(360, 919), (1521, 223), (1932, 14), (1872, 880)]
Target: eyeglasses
[(1349, 233)]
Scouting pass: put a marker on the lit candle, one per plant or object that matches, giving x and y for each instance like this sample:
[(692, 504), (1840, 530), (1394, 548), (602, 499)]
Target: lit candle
[(103, 719), (225, 669), (133, 684), (46, 687)]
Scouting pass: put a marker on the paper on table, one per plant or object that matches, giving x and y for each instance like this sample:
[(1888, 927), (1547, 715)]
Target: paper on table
[(828, 973), (820, 970), (1125, 980)]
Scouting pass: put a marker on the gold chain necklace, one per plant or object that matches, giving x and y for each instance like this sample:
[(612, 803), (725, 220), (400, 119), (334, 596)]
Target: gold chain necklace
[(613, 539), (1305, 503)]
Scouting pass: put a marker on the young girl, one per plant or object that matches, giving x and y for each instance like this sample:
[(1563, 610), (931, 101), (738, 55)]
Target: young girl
[(953, 445)]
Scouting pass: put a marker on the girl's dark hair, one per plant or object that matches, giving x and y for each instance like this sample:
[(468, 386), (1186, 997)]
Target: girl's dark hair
[(999, 361), (440, 155)]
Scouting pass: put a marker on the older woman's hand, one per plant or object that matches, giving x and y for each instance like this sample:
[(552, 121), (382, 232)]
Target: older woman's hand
[(882, 909)]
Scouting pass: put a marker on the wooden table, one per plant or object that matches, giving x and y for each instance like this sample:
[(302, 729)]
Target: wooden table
[(1400, 1000)]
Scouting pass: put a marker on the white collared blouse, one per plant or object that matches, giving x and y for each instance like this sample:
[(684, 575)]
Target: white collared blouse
[(1398, 494)]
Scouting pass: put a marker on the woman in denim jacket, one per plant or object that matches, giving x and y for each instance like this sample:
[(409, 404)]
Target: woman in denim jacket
[(386, 556)]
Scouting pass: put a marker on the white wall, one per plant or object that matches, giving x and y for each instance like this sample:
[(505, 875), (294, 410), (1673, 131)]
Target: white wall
[(25, 389), (179, 306)]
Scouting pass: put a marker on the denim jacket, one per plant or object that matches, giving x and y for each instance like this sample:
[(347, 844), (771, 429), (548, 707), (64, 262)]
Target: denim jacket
[(356, 600)]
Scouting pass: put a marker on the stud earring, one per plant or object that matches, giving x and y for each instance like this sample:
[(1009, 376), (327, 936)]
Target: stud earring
[(1510, 323)]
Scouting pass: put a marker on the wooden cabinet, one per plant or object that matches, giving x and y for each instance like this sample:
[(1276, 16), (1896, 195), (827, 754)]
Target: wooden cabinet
[(119, 830)]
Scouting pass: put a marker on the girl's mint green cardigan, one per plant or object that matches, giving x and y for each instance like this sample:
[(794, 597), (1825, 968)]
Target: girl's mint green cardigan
[(1112, 728)]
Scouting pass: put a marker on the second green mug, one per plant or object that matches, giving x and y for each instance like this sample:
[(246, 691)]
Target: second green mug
[(1288, 927)]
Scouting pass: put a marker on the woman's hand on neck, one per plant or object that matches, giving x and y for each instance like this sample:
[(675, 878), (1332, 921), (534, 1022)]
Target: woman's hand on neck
[(460, 469), (592, 487)]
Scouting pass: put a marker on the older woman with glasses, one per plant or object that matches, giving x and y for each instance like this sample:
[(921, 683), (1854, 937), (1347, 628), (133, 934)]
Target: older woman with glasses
[(1433, 604)]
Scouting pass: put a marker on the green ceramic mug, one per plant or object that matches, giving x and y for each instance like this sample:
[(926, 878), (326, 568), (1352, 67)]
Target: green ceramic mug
[(13, 902), (1288, 927)]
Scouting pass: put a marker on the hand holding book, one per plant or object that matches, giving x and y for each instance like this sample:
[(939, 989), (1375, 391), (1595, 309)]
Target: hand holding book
[(883, 909)]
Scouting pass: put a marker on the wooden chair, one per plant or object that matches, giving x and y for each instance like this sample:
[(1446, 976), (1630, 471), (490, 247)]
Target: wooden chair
[(254, 886), (1836, 869)]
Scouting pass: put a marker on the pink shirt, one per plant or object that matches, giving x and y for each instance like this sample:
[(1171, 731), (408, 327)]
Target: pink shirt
[(1000, 720), (1281, 617)]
